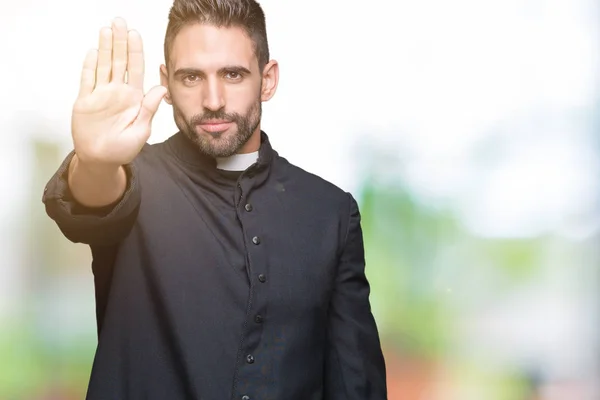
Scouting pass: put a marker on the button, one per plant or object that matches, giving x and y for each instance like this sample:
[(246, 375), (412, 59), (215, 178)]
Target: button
[(256, 240), (248, 207), (258, 319), (262, 278), (250, 359), (245, 397)]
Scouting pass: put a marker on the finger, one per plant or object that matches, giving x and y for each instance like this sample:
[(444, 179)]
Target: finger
[(104, 57), (135, 65), (150, 104), (88, 73), (119, 50)]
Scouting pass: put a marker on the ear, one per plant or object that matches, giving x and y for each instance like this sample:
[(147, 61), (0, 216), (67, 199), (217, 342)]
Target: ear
[(164, 80), (270, 80)]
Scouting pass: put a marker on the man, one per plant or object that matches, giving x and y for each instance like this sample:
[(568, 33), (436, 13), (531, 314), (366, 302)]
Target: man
[(221, 271)]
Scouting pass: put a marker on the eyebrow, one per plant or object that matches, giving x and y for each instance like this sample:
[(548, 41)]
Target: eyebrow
[(195, 71)]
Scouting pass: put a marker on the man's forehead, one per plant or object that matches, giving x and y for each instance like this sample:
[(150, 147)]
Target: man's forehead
[(208, 46)]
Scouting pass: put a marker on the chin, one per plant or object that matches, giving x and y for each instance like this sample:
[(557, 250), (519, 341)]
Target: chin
[(217, 144)]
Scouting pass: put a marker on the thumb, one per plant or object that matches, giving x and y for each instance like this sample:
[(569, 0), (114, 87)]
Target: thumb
[(150, 104)]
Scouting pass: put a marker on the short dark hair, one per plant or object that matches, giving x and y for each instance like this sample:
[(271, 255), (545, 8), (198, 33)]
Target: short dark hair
[(245, 14)]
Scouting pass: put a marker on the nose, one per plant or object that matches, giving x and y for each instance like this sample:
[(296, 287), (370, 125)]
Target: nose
[(214, 98)]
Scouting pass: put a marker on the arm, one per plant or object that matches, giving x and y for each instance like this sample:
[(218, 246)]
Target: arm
[(91, 197), (355, 367), (104, 224)]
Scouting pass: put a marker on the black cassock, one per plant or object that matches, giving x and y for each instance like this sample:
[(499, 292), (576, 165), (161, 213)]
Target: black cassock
[(215, 286)]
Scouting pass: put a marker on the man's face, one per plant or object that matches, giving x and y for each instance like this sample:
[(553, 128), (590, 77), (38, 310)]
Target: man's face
[(215, 88)]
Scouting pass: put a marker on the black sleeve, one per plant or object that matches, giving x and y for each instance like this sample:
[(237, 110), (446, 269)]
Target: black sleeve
[(355, 368), (93, 226)]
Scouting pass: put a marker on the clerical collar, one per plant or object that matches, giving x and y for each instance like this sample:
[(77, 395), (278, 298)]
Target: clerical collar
[(237, 162)]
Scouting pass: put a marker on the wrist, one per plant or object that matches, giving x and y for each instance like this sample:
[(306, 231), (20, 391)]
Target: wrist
[(94, 168)]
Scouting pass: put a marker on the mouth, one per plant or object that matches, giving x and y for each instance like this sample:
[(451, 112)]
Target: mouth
[(215, 125)]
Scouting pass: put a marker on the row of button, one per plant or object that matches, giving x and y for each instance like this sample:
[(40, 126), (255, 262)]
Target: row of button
[(262, 278)]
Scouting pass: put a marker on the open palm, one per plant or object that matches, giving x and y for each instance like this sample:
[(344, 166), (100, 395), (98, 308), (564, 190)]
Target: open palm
[(112, 117)]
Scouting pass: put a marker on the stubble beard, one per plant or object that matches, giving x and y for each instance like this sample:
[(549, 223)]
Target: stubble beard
[(220, 144)]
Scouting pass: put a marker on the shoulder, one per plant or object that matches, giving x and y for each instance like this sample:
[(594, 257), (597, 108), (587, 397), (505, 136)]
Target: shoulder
[(318, 200), (313, 188)]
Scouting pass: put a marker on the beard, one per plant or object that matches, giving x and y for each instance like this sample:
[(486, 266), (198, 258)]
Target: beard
[(220, 144)]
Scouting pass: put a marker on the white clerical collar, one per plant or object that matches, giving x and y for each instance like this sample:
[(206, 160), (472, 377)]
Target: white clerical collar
[(237, 162)]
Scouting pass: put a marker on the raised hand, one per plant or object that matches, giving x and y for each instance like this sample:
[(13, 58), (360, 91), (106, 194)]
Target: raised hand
[(111, 119)]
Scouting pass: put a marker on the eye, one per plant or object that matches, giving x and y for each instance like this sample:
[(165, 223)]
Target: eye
[(232, 75), (191, 78)]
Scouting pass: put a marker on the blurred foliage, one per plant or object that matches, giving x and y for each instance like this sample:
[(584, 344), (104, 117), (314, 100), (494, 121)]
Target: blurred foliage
[(415, 254), (31, 363), (400, 241)]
